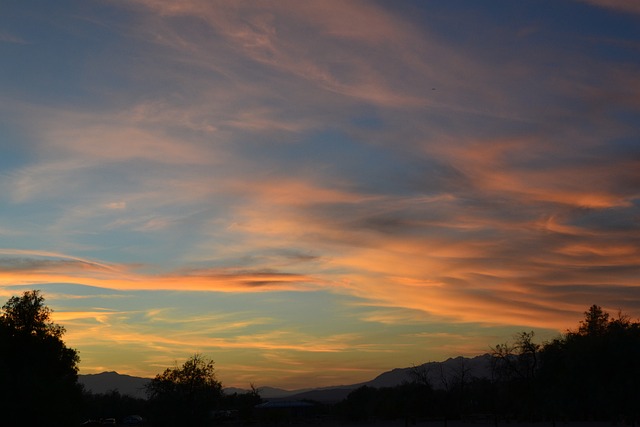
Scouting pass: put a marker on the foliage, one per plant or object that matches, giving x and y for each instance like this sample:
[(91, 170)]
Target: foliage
[(112, 404), (38, 372), (517, 360), (185, 394), (514, 367), (590, 373), (29, 316), (243, 403), (593, 372), (409, 400), (596, 322)]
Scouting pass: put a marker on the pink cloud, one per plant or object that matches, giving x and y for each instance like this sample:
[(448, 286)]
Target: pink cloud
[(497, 243), (620, 5), (279, 35), (491, 166), (10, 38)]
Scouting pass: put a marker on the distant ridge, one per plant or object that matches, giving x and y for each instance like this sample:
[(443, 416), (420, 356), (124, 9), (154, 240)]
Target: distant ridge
[(438, 374), (323, 395), (106, 382), (268, 392)]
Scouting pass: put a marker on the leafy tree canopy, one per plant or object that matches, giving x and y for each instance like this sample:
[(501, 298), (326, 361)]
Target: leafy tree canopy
[(187, 393), (27, 314), (38, 372)]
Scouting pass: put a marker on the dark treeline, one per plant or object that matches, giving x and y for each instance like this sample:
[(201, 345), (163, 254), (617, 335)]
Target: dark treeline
[(590, 373), (180, 404), (39, 380), (113, 404)]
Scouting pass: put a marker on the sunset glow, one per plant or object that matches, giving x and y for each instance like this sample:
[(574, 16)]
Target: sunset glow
[(312, 193)]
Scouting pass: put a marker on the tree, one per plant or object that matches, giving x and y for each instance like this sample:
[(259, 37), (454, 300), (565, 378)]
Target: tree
[(593, 372), (28, 315), (518, 360), (111, 404), (38, 372), (595, 321), (186, 394), (515, 366), (242, 404), (422, 374)]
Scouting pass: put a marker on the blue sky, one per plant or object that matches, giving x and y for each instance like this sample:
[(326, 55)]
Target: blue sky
[(312, 193)]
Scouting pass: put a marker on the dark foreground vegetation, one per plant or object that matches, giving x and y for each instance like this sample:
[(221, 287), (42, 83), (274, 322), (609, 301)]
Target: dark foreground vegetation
[(591, 373)]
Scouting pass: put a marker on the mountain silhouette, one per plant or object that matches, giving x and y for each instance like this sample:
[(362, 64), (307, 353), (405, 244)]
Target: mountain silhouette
[(437, 373), (106, 382)]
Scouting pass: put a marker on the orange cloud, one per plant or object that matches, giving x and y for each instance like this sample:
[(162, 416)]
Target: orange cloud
[(490, 166), (214, 281), (490, 200)]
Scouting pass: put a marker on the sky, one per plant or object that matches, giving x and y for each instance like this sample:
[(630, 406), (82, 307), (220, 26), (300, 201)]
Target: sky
[(314, 192)]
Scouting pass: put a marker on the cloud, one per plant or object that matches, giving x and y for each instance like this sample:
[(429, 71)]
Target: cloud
[(229, 336), (10, 38), (30, 260), (418, 167), (343, 58), (78, 153), (33, 268), (619, 5), (515, 169), (116, 205)]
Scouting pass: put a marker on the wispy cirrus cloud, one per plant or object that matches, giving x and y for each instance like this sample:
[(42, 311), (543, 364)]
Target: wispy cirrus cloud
[(167, 332), (29, 260), (6, 37), (252, 31), (411, 167), (32, 272), (620, 5)]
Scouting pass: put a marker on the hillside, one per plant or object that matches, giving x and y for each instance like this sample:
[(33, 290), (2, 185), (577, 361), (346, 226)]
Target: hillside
[(438, 374), (109, 381)]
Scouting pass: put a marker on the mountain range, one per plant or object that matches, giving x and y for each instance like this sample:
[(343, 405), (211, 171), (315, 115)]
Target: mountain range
[(107, 382), (438, 374)]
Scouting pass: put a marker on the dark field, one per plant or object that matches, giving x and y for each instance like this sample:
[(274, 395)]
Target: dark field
[(458, 423)]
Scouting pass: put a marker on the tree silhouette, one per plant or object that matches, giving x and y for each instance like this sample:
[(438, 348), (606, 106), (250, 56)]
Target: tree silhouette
[(590, 373), (38, 372), (517, 360), (186, 394), (593, 372), (596, 322), (242, 404)]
